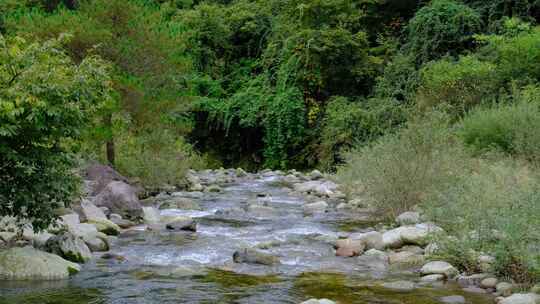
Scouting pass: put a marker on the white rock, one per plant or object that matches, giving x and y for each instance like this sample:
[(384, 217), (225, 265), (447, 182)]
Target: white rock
[(372, 239), (439, 267), (408, 218), (522, 298)]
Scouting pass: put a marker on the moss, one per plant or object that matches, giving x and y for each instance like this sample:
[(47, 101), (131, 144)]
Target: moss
[(230, 279), (72, 270)]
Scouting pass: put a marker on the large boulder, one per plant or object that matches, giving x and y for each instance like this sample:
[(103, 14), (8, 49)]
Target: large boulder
[(439, 267), (120, 198), (70, 247), (30, 264), (252, 256), (102, 175), (418, 234)]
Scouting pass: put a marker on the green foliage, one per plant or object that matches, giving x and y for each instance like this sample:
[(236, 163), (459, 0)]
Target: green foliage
[(458, 85), (440, 28), (509, 127), (347, 123), (493, 210), (45, 103), (399, 171), (517, 56), (156, 158), (400, 79)]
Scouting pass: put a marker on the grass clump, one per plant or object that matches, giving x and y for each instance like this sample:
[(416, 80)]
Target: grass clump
[(399, 171)]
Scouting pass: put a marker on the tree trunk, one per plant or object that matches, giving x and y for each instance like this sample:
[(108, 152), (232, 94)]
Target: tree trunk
[(110, 142)]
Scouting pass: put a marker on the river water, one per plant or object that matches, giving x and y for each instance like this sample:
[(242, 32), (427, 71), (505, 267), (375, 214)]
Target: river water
[(183, 267)]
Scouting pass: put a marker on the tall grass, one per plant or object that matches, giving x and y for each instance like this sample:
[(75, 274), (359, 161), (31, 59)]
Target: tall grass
[(399, 171)]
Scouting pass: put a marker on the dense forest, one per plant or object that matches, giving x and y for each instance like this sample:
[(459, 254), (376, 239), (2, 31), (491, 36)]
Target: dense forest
[(412, 104)]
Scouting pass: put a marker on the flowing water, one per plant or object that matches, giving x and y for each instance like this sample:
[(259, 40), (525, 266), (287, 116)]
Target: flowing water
[(182, 267)]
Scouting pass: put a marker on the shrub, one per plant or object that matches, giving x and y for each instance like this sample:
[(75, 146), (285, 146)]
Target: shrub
[(495, 211), (440, 28), (511, 127), (45, 103), (156, 157), (399, 171), (348, 123), (458, 85)]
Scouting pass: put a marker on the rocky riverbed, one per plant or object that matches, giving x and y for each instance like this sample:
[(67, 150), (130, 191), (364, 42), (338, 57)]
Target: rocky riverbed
[(236, 237)]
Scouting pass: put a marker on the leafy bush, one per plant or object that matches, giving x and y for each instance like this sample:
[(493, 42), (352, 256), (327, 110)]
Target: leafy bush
[(157, 158), (349, 123), (495, 211), (45, 103), (517, 57), (510, 128), (458, 85), (440, 28), (399, 171)]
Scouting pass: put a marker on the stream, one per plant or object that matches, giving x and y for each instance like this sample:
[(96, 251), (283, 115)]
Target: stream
[(197, 267)]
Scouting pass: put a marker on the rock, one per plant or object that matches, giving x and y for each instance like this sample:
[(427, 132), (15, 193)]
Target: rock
[(372, 239), (414, 235), (180, 203), (91, 212), (453, 300), (318, 301), (349, 248), (97, 244), (213, 188), (405, 257), (120, 198), (471, 280), (315, 175), (318, 188), (151, 215), (194, 182), (536, 289), (489, 283), (122, 223), (7, 236), (317, 207), (252, 256), (431, 249), (105, 226), (402, 286), (522, 298), (432, 278), (30, 264), (39, 239), (101, 175), (392, 238), (257, 210), (70, 247), (408, 218), (240, 172), (504, 288), (439, 267), (184, 223), (412, 248), (485, 262)]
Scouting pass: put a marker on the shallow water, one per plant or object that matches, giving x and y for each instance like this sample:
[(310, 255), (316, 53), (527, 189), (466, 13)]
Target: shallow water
[(173, 267)]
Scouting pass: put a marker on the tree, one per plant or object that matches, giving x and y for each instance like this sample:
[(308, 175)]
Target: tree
[(46, 101)]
